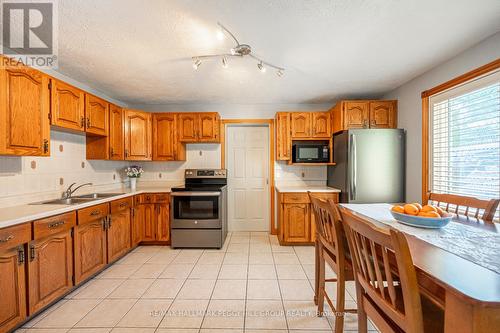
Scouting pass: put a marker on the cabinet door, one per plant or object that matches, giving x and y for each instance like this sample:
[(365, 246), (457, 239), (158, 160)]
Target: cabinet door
[(149, 222), (163, 222), (24, 112), (67, 106), (13, 288), (116, 133), (164, 137), (50, 269), (383, 114), (296, 223), (137, 136), (356, 115), (188, 127), (137, 224), (321, 126), (118, 234), (90, 249), (208, 127), (301, 124), (283, 140), (97, 114)]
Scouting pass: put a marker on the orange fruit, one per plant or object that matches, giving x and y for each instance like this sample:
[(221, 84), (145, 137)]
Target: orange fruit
[(410, 209), (429, 214), (429, 208), (422, 214), (419, 206), (440, 210), (398, 209)]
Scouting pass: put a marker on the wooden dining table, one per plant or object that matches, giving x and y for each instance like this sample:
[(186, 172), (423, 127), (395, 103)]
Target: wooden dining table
[(464, 282)]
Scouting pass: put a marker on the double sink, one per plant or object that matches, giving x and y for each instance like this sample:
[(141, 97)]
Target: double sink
[(78, 199)]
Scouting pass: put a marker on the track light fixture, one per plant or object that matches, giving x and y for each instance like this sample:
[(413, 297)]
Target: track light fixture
[(239, 50), (196, 63), (261, 67)]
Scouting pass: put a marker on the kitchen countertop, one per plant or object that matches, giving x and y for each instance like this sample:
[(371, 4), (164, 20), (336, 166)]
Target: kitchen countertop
[(283, 188), (14, 215)]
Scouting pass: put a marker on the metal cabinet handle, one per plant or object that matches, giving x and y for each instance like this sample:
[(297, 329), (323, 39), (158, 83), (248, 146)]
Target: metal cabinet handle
[(20, 255), (88, 122), (56, 224), (123, 204), (8, 238), (82, 122), (95, 212), (32, 252), (45, 146), (109, 221), (111, 151)]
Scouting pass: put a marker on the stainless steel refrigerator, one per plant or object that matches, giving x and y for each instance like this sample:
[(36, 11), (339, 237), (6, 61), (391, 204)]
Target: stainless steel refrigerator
[(370, 165)]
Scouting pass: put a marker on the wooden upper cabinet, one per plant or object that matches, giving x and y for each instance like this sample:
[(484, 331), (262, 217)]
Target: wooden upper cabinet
[(24, 112), (208, 127), (96, 113), (283, 139), (301, 125), (364, 114), (164, 137), (198, 127), (67, 106), (138, 145), (383, 114), (116, 133), (188, 127), (321, 125), (356, 115)]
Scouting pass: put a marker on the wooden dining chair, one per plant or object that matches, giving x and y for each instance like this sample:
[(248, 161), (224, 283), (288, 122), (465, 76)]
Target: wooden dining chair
[(331, 247), (387, 291), (467, 206)]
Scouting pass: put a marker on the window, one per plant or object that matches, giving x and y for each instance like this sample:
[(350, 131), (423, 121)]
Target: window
[(464, 139)]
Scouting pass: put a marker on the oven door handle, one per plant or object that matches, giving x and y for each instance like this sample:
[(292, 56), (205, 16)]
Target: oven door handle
[(196, 194)]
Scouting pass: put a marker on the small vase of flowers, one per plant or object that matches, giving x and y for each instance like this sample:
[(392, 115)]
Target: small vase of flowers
[(133, 172)]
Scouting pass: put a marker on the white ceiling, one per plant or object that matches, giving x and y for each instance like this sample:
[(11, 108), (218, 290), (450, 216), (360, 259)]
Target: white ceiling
[(140, 52)]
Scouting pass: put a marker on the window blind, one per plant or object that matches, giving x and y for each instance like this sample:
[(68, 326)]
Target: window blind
[(465, 139)]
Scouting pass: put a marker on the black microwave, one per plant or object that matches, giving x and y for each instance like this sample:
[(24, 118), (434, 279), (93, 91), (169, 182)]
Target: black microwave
[(310, 152)]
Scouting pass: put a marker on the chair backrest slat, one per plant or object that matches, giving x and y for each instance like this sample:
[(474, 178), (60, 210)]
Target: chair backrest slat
[(487, 207), (372, 248)]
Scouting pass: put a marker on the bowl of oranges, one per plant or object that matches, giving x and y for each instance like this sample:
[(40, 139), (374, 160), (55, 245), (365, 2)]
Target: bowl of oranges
[(416, 215)]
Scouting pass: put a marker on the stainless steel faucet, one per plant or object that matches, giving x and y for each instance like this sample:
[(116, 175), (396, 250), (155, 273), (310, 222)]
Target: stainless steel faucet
[(69, 192)]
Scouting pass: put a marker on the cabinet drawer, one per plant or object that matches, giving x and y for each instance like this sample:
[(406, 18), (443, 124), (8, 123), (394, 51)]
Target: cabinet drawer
[(162, 198), (295, 198), (122, 204), (13, 236), (144, 198), (93, 213), (53, 225), (327, 196)]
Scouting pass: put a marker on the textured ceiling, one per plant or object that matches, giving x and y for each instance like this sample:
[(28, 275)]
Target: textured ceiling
[(140, 52)]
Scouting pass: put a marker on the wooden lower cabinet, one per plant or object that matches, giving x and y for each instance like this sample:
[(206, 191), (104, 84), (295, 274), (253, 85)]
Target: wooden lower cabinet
[(118, 229), (13, 308), (137, 229), (50, 269), (152, 217), (90, 249), (296, 223)]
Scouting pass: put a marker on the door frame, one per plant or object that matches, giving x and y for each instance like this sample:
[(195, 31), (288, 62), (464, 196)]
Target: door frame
[(270, 123)]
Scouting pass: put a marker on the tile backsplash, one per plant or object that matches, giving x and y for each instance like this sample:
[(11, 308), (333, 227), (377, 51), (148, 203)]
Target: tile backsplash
[(299, 175)]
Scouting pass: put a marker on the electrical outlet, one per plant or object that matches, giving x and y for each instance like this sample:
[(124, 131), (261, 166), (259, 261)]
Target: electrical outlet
[(303, 174)]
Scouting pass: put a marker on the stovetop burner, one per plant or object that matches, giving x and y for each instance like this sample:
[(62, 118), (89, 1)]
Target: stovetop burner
[(203, 180)]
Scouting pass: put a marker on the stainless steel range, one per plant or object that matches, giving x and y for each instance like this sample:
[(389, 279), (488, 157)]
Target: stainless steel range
[(199, 210)]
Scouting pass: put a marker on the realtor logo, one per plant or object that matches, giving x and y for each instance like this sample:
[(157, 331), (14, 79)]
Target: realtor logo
[(29, 32)]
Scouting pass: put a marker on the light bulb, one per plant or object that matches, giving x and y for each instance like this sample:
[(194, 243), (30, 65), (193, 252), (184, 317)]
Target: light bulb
[(220, 34), (261, 67), (224, 62), (233, 51), (196, 64), (280, 72)]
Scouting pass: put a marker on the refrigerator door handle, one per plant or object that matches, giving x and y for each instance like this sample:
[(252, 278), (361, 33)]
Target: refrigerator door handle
[(354, 166)]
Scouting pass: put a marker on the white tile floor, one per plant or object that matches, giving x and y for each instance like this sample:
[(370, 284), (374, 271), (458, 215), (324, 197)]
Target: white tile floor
[(252, 285)]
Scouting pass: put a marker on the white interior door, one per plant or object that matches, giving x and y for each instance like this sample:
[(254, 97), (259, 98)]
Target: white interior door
[(247, 151)]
